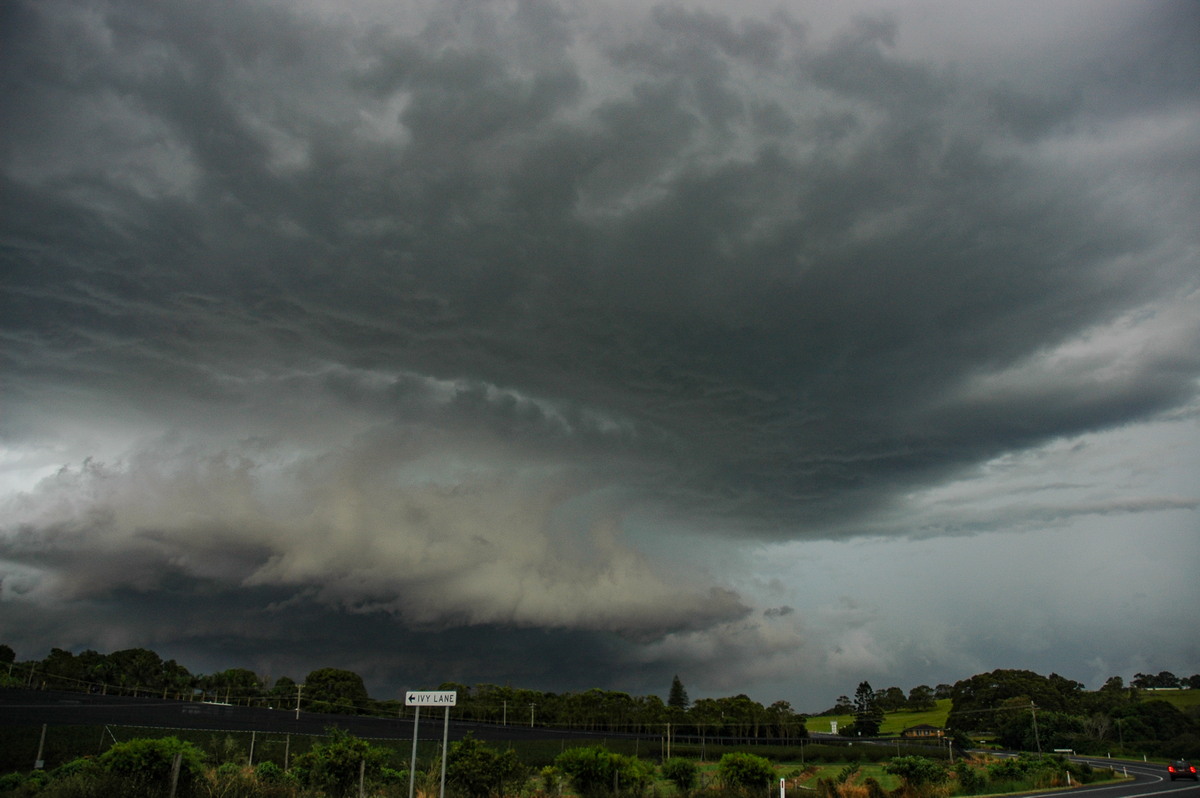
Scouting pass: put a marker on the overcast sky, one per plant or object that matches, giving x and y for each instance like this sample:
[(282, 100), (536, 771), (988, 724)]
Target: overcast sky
[(581, 344)]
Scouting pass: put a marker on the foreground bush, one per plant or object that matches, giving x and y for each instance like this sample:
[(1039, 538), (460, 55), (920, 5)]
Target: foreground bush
[(145, 765), (334, 767), (475, 770), (744, 772), (920, 776), (683, 773), (595, 770)]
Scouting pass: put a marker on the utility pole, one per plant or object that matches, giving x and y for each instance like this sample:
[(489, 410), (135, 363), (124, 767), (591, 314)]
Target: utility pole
[(531, 716), (1037, 738), (299, 689)]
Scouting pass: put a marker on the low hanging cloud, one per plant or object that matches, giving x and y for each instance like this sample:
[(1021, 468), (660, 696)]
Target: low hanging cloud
[(473, 546)]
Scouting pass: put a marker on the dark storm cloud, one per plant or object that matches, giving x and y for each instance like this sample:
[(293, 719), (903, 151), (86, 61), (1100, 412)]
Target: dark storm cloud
[(417, 315)]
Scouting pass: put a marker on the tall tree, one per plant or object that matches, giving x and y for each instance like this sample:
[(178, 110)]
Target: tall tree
[(336, 690), (921, 697), (868, 716), (891, 699), (678, 697)]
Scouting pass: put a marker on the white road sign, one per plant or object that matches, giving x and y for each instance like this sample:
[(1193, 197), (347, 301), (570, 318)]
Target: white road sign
[(431, 698)]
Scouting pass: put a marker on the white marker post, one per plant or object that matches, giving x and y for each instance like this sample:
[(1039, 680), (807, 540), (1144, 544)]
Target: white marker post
[(429, 698)]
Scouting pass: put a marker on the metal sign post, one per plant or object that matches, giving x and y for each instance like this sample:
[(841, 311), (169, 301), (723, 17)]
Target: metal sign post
[(412, 768), (429, 698)]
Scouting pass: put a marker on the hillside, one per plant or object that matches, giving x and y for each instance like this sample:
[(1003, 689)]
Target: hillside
[(896, 722)]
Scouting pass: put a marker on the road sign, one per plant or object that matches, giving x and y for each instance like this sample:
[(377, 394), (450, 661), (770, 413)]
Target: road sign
[(431, 698)]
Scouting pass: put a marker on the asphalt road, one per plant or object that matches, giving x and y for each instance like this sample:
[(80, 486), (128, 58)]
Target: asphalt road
[(1148, 779)]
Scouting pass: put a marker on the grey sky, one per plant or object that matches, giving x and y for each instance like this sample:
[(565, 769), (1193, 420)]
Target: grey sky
[(584, 344)]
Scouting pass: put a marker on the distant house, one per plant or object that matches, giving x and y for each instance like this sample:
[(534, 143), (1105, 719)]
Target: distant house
[(923, 730)]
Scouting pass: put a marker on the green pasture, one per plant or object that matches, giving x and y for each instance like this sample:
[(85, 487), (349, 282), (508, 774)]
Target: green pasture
[(1180, 699), (893, 722)]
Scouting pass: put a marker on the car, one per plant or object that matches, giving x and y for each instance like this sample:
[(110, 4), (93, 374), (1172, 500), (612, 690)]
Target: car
[(1182, 769)]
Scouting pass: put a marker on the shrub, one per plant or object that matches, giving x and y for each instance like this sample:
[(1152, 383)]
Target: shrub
[(145, 764), (970, 780), (594, 770), (551, 780), (874, 788), (269, 773), (82, 766), (475, 770), (334, 766), (97, 784), (683, 773), (917, 772), (1007, 770), (740, 771), (232, 781)]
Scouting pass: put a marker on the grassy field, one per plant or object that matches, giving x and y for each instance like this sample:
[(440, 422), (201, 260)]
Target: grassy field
[(893, 722), (1180, 699)]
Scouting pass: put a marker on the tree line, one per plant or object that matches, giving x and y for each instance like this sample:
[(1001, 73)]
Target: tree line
[(142, 672), (1018, 708), (1027, 711)]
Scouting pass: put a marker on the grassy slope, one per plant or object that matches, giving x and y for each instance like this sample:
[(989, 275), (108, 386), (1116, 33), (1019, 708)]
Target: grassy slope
[(1180, 699), (893, 722)]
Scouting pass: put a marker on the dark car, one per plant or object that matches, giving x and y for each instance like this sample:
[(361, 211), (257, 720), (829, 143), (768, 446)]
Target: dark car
[(1181, 769)]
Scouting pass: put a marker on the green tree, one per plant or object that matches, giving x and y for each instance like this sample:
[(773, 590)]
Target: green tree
[(678, 697), (1145, 681), (868, 716), (891, 699), (476, 771), (921, 697), (1053, 730), (743, 772), (137, 670), (283, 693), (235, 684), (975, 700), (335, 690), (787, 724), (742, 715), (63, 670)]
